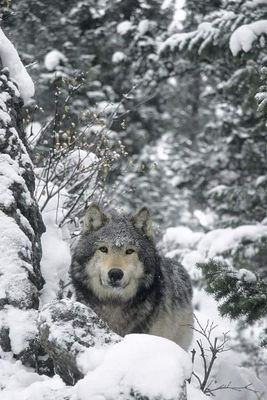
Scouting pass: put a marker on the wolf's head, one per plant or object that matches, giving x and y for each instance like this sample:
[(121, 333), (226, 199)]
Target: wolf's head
[(115, 257)]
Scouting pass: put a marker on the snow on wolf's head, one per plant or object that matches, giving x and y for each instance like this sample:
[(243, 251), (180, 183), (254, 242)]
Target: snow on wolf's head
[(116, 255)]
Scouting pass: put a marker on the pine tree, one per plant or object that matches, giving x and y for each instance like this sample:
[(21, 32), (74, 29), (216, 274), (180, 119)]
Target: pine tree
[(233, 161), (241, 293), (235, 168)]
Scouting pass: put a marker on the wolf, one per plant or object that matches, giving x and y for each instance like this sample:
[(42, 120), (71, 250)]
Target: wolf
[(118, 272)]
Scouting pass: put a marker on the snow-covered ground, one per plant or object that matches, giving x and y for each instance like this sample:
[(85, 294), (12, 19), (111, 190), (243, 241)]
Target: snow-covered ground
[(152, 365)]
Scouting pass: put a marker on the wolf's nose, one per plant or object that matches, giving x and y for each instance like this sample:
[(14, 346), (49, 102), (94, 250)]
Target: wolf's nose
[(115, 274)]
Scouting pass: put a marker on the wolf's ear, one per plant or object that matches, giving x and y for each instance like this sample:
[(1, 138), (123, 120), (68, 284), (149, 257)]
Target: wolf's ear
[(142, 221), (94, 218)]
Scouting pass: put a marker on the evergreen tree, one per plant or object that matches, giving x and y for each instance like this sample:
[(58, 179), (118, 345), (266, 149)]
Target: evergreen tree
[(241, 293), (236, 166), (229, 42)]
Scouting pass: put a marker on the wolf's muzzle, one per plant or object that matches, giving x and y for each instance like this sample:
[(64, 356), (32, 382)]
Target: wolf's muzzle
[(115, 276)]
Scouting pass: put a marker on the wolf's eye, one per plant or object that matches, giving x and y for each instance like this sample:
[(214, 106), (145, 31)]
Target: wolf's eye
[(130, 251), (104, 249)]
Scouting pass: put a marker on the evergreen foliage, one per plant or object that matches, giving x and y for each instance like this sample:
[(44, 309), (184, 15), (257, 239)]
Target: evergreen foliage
[(235, 168), (240, 293), (140, 109), (233, 160)]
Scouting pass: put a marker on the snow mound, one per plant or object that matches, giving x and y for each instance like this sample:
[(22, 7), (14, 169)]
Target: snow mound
[(150, 365), (244, 36), (18, 73), (146, 364), (21, 384)]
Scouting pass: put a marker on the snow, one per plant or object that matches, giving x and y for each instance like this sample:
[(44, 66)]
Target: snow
[(143, 27), (18, 73), (238, 377), (15, 284), (189, 260), (4, 97), (118, 57), (10, 173), (205, 219), (53, 209), (107, 108), (12, 239), (244, 36), (226, 369), (179, 13), (151, 365), (147, 364), (173, 41), (5, 117), (221, 240), (205, 26), (124, 27), (54, 264), (53, 59), (181, 236), (256, 3), (22, 327), (195, 394), (204, 31), (184, 244), (33, 133), (81, 157), (246, 275), (21, 384)]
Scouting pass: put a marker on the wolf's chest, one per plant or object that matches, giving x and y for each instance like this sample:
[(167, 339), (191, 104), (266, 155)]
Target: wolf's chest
[(116, 317)]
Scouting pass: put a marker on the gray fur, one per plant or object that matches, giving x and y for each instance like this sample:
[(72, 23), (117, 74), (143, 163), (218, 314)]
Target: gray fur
[(159, 304)]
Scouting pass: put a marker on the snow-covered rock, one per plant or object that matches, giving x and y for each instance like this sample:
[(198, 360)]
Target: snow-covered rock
[(66, 329), (138, 366)]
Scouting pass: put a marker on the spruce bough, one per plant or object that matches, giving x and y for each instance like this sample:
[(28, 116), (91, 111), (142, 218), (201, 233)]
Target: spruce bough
[(238, 293)]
